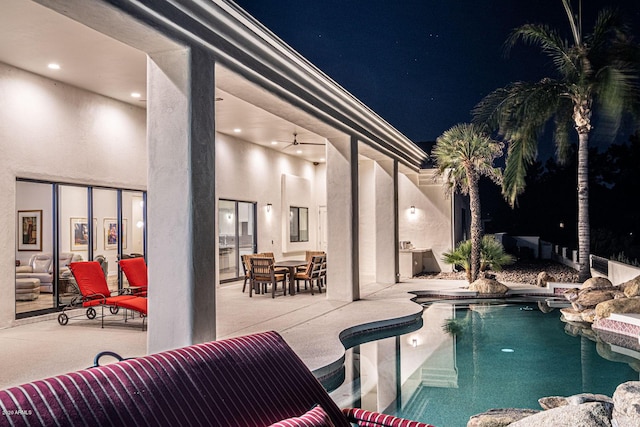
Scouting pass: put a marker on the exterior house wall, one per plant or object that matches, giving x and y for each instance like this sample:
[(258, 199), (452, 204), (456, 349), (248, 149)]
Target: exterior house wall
[(53, 131), (430, 226), (251, 173)]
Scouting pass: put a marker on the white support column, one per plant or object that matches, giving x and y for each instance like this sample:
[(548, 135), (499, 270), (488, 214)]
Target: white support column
[(342, 220), (181, 199), (386, 221)]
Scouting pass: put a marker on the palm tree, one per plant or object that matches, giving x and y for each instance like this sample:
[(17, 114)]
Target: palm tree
[(463, 154), (596, 73)]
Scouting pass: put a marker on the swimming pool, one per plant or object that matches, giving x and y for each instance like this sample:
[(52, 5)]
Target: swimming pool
[(494, 355)]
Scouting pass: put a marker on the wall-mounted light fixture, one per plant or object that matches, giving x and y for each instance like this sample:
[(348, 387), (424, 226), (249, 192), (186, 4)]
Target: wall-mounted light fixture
[(414, 342), (413, 210), (268, 207)]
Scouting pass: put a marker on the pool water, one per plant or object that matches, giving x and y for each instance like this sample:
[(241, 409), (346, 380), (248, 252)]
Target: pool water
[(493, 355)]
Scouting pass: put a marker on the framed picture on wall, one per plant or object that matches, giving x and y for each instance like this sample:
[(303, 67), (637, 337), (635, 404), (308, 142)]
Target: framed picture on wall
[(30, 229), (111, 233), (80, 234)]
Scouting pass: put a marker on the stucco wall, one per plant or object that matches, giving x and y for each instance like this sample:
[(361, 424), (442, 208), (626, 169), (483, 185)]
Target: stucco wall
[(252, 173), (430, 226), (367, 223), (52, 131)]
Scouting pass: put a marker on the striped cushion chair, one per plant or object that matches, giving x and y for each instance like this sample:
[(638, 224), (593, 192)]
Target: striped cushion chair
[(231, 382)]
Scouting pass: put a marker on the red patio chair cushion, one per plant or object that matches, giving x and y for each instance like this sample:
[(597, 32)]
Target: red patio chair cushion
[(138, 304), (92, 284), (136, 271)]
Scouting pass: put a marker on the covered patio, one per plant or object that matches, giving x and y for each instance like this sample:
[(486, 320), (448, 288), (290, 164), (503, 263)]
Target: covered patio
[(224, 98)]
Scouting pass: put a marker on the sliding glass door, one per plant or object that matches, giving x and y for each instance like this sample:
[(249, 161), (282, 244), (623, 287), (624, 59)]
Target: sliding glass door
[(62, 223), (237, 236)]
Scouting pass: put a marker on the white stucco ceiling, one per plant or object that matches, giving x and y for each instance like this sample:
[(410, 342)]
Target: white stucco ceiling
[(32, 36)]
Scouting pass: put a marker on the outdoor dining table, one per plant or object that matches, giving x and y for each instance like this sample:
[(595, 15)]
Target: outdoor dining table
[(291, 265)]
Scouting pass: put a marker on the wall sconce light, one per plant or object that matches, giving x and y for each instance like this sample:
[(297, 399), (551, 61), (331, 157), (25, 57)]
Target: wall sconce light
[(268, 207), (414, 342), (413, 210), (229, 216)]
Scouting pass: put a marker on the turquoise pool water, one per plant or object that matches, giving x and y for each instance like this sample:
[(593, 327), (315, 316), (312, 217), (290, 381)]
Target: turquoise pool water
[(498, 356)]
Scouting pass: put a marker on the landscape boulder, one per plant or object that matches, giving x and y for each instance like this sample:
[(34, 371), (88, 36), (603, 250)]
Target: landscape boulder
[(499, 417), (592, 414), (631, 288), (571, 294), (551, 402), (544, 307), (597, 283), (488, 286), (571, 315), (543, 278), (588, 315), (626, 400), (620, 305), (589, 298)]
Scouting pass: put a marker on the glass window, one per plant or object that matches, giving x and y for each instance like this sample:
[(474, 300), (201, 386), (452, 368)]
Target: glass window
[(298, 224), (237, 236), (34, 247), (61, 223)]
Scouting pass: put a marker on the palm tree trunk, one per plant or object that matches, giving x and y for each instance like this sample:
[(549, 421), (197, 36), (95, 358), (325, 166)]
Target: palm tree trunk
[(476, 229), (583, 206)]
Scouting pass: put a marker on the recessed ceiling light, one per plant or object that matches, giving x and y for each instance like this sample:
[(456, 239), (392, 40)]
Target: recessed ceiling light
[(237, 130), (299, 151), (54, 66), (274, 142), (135, 94), (322, 159)]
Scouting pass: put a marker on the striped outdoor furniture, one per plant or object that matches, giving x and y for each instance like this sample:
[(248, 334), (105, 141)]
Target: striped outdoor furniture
[(255, 381)]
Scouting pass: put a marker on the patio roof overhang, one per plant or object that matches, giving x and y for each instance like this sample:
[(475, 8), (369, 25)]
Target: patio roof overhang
[(254, 65)]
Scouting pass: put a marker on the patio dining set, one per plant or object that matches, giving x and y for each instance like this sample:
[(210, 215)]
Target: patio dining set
[(262, 271)]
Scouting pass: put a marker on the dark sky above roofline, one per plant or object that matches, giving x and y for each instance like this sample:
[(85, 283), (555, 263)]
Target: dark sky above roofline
[(421, 64)]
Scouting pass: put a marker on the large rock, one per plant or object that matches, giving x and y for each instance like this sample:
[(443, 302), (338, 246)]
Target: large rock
[(571, 314), (488, 286), (571, 294), (544, 307), (589, 298), (543, 278), (597, 283), (499, 417), (588, 315), (631, 288), (626, 400), (551, 402), (620, 305), (593, 414)]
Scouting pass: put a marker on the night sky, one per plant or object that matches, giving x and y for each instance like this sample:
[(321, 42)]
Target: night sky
[(421, 64)]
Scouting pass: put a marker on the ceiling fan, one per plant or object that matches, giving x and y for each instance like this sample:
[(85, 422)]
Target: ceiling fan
[(296, 142)]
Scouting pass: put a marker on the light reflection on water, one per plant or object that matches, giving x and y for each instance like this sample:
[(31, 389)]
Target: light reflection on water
[(496, 356)]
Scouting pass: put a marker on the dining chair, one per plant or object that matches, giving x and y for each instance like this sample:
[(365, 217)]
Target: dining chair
[(246, 267), (264, 274), (313, 274), (308, 256), (279, 270)]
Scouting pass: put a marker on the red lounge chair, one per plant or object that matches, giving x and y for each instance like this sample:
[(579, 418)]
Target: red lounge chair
[(136, 271), (95, 292)]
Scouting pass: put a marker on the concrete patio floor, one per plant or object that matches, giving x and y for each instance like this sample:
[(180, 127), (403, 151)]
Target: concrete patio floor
[(39, 348)]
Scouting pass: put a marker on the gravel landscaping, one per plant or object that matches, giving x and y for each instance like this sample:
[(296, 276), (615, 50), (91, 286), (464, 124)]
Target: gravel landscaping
[(524, 272)]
